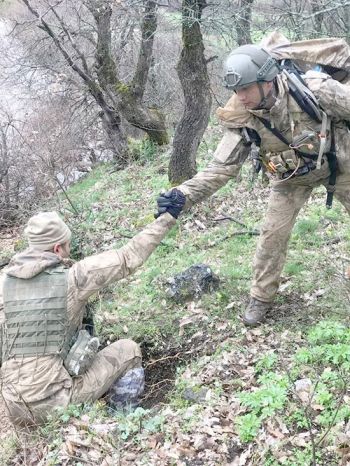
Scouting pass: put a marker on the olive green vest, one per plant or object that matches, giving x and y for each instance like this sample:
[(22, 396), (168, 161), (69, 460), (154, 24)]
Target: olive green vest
[(35, 309)]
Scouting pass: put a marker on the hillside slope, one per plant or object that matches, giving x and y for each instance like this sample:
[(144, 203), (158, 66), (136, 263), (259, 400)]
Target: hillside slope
[(216, 392)]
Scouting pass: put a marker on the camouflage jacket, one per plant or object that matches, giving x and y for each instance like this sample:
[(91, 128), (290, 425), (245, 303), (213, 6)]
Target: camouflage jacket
[(35, 378), (286, 116)]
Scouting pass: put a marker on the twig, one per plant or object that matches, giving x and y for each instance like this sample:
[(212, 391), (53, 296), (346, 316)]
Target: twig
[(234, 233), (124, 236), (232, 219), (335, 414), (67, 197), (151, 363), (157, 386), (306, 410), (81, 460), (161, 382)]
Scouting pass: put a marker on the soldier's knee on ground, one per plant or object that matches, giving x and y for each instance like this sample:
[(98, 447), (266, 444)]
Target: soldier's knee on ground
[(126, 391), (128, 350), (128, 387)]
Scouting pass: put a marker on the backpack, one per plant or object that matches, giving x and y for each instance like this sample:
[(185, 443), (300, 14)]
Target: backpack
[(331, 56)]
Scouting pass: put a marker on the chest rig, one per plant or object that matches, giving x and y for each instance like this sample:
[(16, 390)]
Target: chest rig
[(304, 136)]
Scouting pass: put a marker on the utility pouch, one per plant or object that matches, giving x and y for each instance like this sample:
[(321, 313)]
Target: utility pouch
[(81, 354), (291, 159), (283, 162), (277, 163)]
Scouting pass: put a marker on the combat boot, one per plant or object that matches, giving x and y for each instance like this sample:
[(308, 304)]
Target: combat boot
[(255, 312)]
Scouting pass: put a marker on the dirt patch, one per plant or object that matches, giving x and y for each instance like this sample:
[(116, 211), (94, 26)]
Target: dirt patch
[(161, 366)]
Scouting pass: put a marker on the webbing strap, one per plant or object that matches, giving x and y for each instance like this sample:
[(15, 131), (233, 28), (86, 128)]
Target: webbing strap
[(333, 165), (280, 136), (331, 157), (58, 327), (35, 351)]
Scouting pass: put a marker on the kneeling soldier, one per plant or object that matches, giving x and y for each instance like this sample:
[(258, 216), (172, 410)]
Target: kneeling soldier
[(42, 304)]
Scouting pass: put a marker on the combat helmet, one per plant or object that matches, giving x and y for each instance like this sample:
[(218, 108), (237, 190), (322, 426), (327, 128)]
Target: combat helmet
[(249, 64)]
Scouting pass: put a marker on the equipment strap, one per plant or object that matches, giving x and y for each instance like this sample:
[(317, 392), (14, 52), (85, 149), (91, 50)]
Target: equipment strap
[(280, 136), (331, 157), (333, 165)]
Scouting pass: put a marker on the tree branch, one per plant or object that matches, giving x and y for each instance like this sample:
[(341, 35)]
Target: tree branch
[(148, 29)]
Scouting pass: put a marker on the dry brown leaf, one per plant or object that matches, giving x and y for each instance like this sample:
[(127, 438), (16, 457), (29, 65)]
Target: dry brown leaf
[(187, 320), (200, 224), (108, 461), (303, 388), (274, 431), (317, 407), (300, 440), (109, 318)]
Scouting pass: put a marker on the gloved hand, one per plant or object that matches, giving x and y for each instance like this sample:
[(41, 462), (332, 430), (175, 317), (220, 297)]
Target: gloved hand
[(171, 201)]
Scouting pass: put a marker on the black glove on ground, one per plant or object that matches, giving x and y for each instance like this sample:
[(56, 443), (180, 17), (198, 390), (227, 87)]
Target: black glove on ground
[(172, 201)]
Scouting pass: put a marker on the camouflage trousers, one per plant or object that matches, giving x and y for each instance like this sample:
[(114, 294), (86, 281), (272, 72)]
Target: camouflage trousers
[(109, 364), (285, 202)]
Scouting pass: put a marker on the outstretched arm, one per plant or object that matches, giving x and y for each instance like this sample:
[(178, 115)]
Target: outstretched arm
[(228, 159), (93, 273)]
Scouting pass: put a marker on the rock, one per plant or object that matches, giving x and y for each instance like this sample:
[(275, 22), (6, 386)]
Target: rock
[(192, 283), (4, 261), (195, 396)]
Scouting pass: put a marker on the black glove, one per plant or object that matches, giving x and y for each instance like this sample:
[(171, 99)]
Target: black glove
[(172, 201)]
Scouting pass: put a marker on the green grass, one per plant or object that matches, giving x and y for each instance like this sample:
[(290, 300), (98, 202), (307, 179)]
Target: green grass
[(115, 205)]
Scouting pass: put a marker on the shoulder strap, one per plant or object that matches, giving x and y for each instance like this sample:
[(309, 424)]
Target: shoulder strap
[(280, 136), (331, 157), (300, 92)]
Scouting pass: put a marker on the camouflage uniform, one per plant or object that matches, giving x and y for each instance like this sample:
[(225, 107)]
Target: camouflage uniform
[(287, 196), (33, 386)]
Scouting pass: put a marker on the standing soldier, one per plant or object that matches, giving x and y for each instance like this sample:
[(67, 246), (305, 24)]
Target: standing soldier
[(297, 126), (42, 304)]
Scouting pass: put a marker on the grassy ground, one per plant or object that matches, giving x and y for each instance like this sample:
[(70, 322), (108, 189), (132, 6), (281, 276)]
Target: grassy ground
[(216, 393)]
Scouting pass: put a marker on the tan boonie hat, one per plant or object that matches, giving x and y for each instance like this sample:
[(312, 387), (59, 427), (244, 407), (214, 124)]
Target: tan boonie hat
[(46, 229)]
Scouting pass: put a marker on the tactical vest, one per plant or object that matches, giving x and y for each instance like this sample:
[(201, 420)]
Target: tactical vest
[(290, 119), (35, 309), (290, 116)]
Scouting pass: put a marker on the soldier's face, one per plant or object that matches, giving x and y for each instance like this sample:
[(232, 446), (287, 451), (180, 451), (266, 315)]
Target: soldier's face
[(250, 96)]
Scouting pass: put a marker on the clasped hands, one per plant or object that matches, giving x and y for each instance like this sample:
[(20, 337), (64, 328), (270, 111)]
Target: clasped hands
[(172, 201)]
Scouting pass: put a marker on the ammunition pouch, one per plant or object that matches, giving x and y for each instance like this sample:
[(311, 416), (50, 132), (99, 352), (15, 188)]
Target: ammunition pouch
[(282, 162), (81, 354), (288, 164)]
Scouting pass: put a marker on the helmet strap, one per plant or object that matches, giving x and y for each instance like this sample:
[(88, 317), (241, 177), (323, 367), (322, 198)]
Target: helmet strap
[(264, 98)]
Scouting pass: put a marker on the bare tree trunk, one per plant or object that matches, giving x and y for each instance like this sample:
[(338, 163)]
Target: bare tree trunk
[(318, 17), (113, 96), (109, 115), (5, 168), (193, 75), (129, 96), (243, 24)]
